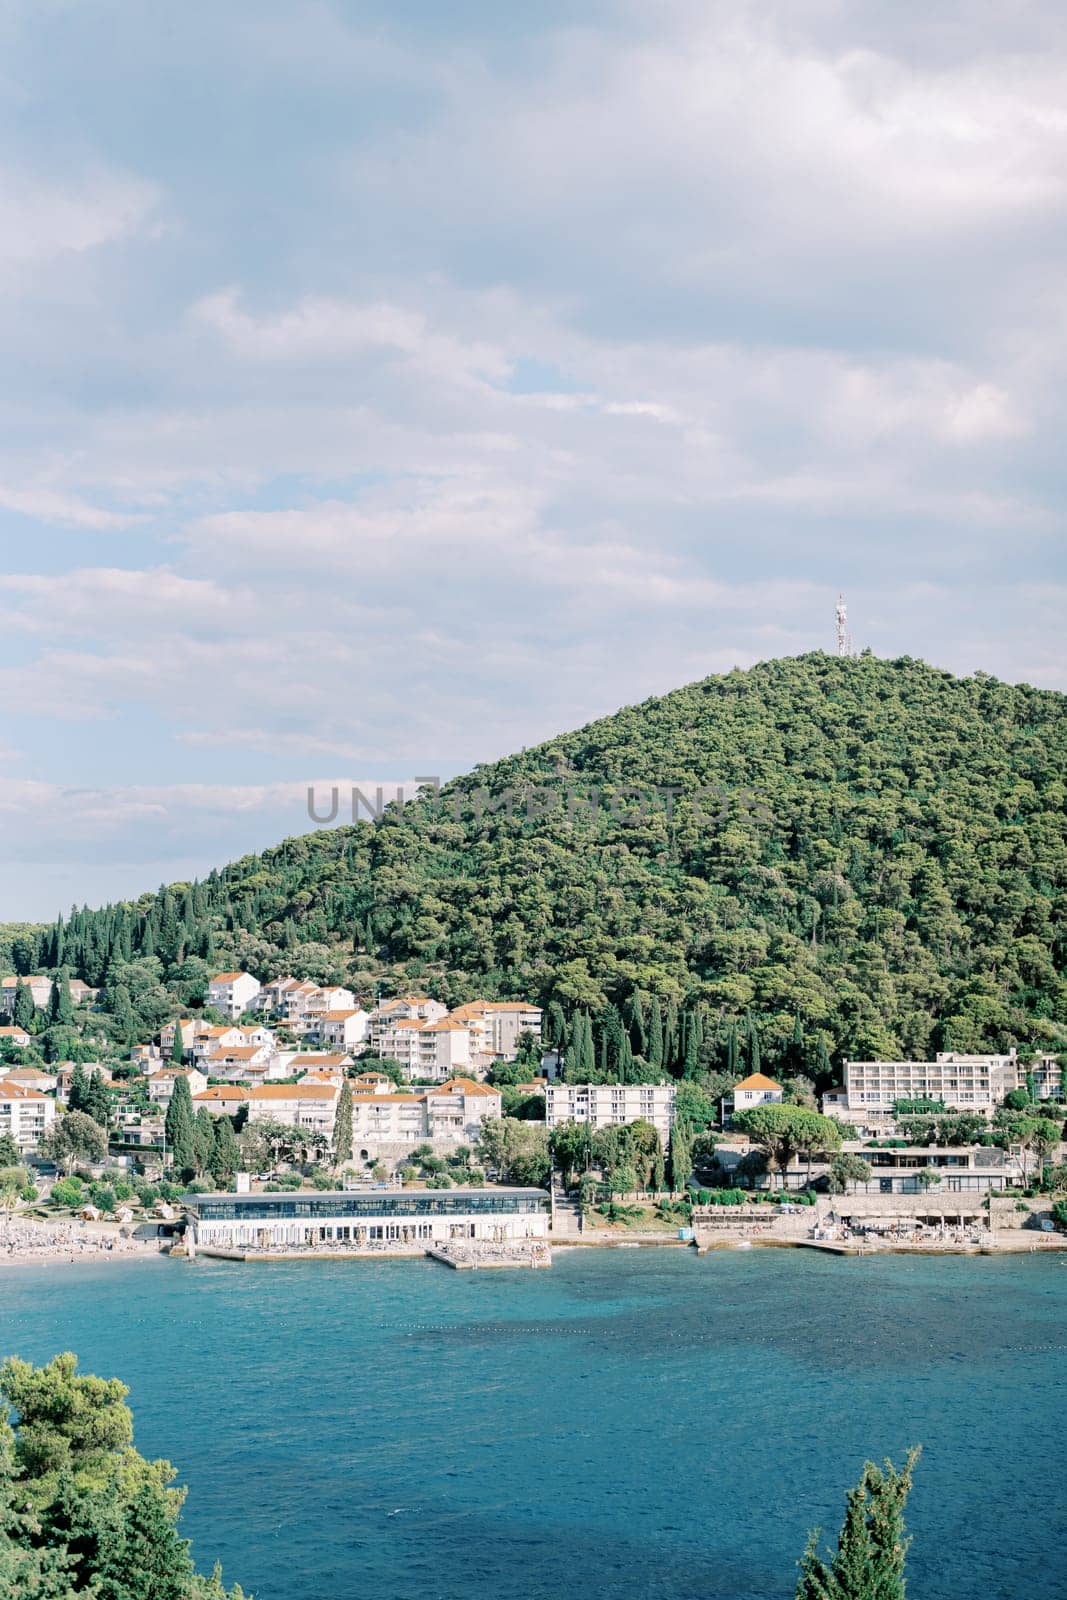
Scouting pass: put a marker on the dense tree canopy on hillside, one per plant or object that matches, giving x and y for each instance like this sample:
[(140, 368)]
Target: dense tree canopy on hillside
[(874, 848)]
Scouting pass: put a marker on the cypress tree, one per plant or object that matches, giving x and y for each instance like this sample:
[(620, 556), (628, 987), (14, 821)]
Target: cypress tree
[(180, 1132), (97, 1100), (795, 1053), (732, 1053), (63, 1005), (681, 1156), (824, 1068), (342, 1128), (79, 1086), (691, 1059), (588, 1061), (753, 1045), (655, 1033), (670, 1034), (226, 1153), (177, 1048), (626, 1060), (203, 1138), (638, 1031), (121, 1008), (24, 1013), (659, 1170), (613, 1034)]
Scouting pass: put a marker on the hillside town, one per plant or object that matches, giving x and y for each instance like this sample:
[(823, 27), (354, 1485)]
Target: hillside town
[(267, 1088)]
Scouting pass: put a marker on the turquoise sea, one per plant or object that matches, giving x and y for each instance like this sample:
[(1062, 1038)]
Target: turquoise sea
[(639, 1424)]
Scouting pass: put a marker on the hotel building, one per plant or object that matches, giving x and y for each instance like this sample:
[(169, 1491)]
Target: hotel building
[(608, 1105)]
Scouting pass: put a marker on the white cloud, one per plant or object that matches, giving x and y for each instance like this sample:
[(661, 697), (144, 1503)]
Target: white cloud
[(41, 219), (46, 505)]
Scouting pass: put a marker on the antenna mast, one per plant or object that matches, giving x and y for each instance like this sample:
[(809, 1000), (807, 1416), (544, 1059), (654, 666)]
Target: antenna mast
[(844, 643)]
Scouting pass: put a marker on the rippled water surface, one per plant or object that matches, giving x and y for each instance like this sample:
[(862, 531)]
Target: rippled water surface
[(631, 1423)]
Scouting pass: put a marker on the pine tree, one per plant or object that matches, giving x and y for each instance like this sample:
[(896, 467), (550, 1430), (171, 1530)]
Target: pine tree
[(655, 1033), (179, 1129), (24, 1014), (342, 1127), (871, 1548), (146, 1558)]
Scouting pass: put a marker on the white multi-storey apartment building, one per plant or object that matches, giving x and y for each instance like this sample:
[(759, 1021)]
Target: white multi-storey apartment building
[(342, 1029), (428, 1052), (295, 1105), (960, 1082), (446, 1115), (405, 1008), (25, 1114), (607, 1105), (233, 993), (330, 997), (495, 1027)]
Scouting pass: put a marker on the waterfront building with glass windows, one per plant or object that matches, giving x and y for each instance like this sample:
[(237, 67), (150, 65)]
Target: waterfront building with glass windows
[(365, 1217)]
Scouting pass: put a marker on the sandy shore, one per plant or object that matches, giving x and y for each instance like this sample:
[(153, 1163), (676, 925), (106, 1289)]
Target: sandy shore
[(32, 1243)]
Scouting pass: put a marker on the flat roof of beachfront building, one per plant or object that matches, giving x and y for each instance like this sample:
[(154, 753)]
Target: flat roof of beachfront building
[(366, 1203)]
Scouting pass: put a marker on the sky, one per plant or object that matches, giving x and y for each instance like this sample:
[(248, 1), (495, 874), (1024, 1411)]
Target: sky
[(388, 386)]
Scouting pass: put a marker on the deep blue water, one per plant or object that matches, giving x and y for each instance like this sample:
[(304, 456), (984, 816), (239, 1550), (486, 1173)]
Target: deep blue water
[(633, 1423)]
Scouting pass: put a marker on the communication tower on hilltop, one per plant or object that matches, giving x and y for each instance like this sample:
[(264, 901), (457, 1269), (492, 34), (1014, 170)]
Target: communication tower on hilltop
[(844, 638)]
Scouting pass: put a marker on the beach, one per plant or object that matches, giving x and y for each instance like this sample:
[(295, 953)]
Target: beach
[(25, 1241)]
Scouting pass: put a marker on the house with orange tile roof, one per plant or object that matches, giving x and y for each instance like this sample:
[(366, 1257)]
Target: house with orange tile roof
[(161, 1083), (39, 985), (233, 993), (496, 1026), (312, 1106), (428, 1051), (342, 1027), (756, 1090)]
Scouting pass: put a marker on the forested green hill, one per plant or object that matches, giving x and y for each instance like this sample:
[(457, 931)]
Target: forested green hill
[(875, 847)]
